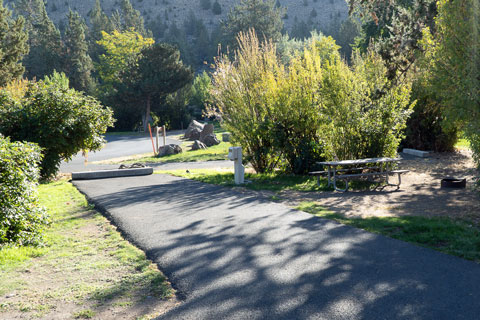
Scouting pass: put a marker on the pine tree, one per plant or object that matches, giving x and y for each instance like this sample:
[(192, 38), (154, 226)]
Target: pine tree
[(78, 64), (157, 73), (177, 37), (43, 39), (190, 24), (13, 46), (132, 18), (262, 15), (99, 22), (201, 43)]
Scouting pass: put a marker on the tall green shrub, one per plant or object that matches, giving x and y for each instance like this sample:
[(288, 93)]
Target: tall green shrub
[(22, 219), (453, 65), (315, 107), (426, 127), (60, 120), (243, 96), (367, 115)]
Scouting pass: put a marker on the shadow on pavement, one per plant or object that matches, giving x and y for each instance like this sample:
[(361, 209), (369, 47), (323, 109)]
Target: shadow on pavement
[(238, 256)]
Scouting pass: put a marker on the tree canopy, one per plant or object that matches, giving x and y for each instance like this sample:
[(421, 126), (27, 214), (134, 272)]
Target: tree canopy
[(158, 72), (121, 49)]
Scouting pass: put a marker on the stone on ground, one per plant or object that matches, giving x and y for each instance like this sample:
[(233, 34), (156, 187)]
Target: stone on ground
[(197, 145), (207, 130), (169, 149), (210, 140)]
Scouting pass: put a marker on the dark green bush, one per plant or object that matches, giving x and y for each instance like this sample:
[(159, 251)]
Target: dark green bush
[(60, 120), (22, 219), (426, 128)]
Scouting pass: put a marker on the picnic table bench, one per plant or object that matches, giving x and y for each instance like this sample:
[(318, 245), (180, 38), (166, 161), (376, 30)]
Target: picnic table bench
[(358, 168)]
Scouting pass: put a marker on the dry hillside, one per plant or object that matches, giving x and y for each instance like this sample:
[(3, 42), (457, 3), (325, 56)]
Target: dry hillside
[(328, 11)]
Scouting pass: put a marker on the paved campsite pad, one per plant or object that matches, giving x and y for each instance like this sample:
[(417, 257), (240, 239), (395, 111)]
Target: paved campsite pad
[(237, 256)]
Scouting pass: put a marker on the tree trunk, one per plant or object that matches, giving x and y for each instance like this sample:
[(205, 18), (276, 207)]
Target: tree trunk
[(147, 113)]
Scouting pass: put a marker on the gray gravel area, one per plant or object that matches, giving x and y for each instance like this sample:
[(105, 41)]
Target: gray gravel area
[(234, 255)]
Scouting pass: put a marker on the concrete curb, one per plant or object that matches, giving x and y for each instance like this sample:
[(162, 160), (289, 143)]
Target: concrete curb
[(416, 153), (115, 173)]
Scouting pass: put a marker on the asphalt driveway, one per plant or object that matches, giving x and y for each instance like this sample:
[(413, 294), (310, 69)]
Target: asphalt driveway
[(234, 255), (117, 146)]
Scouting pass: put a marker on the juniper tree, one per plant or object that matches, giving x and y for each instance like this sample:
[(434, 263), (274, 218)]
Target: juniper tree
[(157, 73)]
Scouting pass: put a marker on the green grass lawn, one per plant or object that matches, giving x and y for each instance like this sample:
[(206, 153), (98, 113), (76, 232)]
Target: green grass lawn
[(265, 181), (459, 238), (218, 152), (85, 269), (256, 181)]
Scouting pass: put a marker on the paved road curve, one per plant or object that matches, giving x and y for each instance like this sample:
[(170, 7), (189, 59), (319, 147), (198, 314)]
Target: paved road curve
[(117, 146), (235, 256)]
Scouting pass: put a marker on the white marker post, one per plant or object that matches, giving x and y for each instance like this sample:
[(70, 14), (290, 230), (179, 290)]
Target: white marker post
[(235, 154)]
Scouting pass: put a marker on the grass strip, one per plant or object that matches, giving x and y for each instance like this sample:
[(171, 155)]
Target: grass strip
[(218, 152), (255, 181), (85, 265), (459, 238)]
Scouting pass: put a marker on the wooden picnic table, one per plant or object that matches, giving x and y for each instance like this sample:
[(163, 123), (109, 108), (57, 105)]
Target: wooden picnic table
[(372, 166)]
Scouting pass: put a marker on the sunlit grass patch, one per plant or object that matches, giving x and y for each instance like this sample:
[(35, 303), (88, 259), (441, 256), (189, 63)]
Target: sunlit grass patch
[(255, 181), (93, 266), (460, 238)]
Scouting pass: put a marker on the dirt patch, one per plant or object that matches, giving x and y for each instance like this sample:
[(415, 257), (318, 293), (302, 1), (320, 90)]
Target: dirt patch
[(420, 193)]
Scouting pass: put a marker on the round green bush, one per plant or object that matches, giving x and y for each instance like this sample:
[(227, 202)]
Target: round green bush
[(60, 120)]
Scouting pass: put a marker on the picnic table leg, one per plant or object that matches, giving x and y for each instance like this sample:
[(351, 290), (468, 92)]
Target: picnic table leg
[(386, 175), (329, 178), (335, 182)]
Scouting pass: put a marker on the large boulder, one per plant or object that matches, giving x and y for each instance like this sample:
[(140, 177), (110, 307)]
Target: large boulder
[(169, 149), (197, 145), (207, 130), (193, 125), (194, 134), (210, 140)]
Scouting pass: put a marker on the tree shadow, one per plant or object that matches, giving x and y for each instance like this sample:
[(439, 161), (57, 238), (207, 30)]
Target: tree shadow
[(237, 256)]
